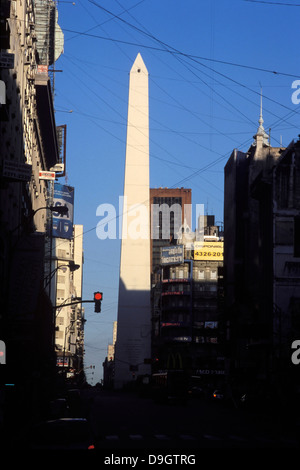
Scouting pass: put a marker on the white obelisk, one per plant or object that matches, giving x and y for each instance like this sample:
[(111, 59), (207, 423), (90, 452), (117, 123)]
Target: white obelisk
[(133, 343)]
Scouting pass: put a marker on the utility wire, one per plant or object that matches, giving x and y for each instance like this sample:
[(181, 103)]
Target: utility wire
[(274, 72), (274, 3), (188, 56), (147, 33)]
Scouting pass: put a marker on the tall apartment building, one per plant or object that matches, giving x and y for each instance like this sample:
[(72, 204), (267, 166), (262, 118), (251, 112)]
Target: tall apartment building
[(168, 222), (187, 328), (67, 288), (28, 146), (261, 266), (29, 151), (172, 206)]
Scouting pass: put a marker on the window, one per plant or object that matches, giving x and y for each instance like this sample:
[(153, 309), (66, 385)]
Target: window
[(60, 293), (284, 231), (61, 253), (282, 183), (297, 237), (201, 274)]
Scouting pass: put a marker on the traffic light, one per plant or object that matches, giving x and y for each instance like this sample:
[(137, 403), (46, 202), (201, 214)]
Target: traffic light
[(98, 296), (2, 353)]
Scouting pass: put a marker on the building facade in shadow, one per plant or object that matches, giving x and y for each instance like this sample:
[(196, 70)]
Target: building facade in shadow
[(262, 264)]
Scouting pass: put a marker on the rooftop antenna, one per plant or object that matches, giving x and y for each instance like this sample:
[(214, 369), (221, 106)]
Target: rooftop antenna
[(261, 131), (261, 121)]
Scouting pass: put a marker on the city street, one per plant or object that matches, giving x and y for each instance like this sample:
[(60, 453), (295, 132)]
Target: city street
[(127, 421)]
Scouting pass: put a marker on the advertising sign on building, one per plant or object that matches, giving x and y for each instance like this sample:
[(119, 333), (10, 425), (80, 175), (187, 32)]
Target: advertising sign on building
[(172, 254), (209, 372), (183, 339), (209, 251), (63, 223), (17, 171)]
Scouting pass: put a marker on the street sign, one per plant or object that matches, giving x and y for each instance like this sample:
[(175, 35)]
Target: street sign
[(17, 171), (47, 175), (42, 69)]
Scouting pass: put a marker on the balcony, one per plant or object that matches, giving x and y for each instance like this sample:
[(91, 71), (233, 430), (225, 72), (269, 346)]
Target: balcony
[(46, 119)]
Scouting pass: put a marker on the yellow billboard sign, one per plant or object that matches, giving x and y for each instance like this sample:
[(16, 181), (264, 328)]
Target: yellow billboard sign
[(209, 251)]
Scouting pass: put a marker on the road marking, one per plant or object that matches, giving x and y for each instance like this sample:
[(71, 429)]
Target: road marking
[(264, 439), (237, 438), (214, 438), (162, 436), (187, 437), (135, 436), (112, 437), (287, 440)]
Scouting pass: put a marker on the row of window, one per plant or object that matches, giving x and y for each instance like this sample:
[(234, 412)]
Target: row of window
[(182, 320), (206, 339), (186, 338), (177, 286), (198, 273), (184, 302)]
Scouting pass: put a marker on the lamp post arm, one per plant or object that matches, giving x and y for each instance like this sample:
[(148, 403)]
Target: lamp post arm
[(73, 303)]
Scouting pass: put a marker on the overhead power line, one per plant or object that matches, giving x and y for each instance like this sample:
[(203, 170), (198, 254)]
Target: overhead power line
[(174, 51), (190, 56), (274, 3)]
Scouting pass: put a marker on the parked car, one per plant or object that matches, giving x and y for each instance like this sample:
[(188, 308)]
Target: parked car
[(59, 408), (74, 403), (218, 395)]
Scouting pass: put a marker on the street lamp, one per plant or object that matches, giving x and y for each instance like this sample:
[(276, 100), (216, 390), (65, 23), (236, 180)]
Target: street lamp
[(71, 265), (64, 350), (61, 210)]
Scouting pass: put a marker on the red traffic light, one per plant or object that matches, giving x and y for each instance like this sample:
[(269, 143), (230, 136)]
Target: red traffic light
[(2, 352), (98, 296)]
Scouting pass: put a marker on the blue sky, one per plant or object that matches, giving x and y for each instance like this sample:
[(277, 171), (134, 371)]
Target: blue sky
[(207, 61)]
